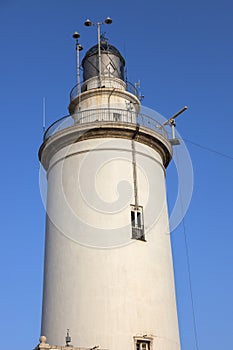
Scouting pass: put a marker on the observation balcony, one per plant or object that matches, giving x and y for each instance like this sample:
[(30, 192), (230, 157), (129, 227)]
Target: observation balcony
[(103, 116), (107, 82), (105, 123)]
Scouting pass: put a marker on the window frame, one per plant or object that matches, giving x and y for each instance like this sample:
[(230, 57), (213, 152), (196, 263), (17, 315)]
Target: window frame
[(143, 340), (137, 222)]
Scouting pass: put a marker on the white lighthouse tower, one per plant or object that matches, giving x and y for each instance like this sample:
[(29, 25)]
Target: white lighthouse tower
[(108, 273)]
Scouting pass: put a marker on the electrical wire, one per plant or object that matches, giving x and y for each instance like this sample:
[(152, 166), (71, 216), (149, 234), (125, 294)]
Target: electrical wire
[(209, 149), (186, 241), (190, 284), (189, 270)]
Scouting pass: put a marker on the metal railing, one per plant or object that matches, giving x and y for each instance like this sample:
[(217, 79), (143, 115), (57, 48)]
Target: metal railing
[(105, 115), (79, 87), (131, 88), (138, 233), (75, 91)]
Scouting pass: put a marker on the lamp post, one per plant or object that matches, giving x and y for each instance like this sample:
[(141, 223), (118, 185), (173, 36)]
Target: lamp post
[(88, 23), (79, 48)]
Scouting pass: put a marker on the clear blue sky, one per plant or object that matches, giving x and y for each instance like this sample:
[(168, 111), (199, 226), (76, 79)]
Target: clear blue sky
[(183, 54)]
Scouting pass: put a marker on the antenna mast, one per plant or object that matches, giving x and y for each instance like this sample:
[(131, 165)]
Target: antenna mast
[(88, 23), (44, 115), (79, 48)]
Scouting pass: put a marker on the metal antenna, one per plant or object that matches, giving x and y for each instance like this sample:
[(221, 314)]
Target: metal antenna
[(44, 115), (137, 84), (171, 121), (68, 338), (79, 48)]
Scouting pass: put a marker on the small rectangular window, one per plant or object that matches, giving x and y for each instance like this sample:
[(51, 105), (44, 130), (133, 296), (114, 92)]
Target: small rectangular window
[(137, 224), (143, 344)]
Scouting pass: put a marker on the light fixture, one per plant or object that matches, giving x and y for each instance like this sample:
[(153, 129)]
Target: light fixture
[(87, 23), (108, 20), (79, 47), (76, 35)]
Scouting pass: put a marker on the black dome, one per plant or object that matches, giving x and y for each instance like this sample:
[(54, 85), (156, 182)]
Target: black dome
[(105, 47)]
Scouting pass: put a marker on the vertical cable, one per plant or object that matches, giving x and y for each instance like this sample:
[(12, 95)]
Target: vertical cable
[(189, 269)]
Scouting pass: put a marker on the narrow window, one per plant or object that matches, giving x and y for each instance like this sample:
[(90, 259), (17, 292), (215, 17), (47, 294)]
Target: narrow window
[(133, 218), (139, 219), (137, 225)]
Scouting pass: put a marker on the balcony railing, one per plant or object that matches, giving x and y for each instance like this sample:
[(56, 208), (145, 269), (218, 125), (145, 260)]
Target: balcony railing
[(138, 233), (80, 87), (104, 115)]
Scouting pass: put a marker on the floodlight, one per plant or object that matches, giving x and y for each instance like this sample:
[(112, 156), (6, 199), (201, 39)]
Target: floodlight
[(76, 35), (108, 20), (87, 23)]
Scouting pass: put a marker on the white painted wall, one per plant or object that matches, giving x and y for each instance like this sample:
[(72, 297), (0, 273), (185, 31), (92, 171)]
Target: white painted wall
[(107, 296), (105, 98)]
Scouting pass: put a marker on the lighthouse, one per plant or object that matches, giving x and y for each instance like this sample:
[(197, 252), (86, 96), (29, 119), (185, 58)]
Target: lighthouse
[(108, 270)]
